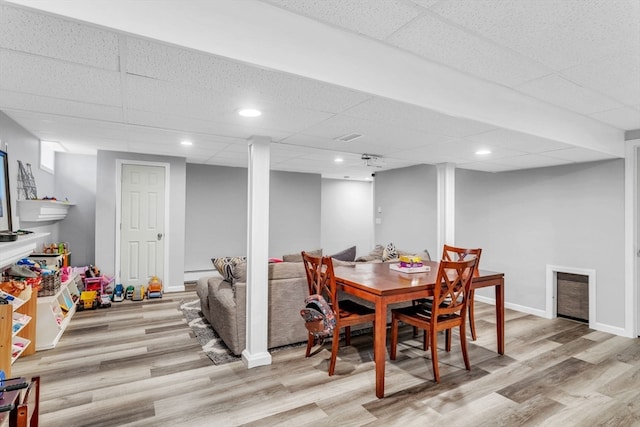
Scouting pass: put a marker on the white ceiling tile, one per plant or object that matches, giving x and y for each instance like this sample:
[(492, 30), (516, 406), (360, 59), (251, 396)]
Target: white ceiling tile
[(517, 141), (425, 3), (412, 117), (551, 31), (617, 76), (39, 34), (240, 83), (10, 100), (441, 42), (52, 78), (376, 19), (558, 90), (578, 155), (625, 118)]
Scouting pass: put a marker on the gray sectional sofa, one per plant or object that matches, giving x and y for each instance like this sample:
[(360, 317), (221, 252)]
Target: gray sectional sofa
[(223, 303)]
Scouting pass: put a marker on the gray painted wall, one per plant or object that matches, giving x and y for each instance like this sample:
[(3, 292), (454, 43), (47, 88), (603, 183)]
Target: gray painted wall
[(21, 145), (216, 226), (216, 214), (75, 179), (408, 198), (571, 216), (106, 212), (347, 216)]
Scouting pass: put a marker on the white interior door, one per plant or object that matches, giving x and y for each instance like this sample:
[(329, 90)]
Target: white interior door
[(142, 223)]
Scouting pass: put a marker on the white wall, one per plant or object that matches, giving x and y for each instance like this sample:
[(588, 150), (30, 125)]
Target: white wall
[(23, 146), (571, 216), (347, 217)]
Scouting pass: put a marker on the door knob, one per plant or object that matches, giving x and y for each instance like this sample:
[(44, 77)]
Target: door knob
[(159, 236)]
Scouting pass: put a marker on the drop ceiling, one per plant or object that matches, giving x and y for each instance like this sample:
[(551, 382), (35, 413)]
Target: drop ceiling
[(537, 82)]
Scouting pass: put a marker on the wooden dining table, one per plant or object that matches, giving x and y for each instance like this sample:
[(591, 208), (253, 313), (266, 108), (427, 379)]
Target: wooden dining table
[(377, 283)]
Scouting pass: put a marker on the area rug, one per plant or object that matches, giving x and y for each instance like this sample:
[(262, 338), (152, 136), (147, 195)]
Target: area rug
[(210, 341)]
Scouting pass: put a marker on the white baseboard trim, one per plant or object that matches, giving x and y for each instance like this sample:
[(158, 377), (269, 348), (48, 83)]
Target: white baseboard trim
[(192, 276), (176, 288), (611, 329), (511, 306)]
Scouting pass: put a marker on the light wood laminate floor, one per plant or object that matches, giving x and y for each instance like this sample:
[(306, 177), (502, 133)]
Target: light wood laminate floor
[(138, 364)]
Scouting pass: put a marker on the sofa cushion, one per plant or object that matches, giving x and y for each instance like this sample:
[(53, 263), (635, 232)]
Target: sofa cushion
[(226, 266), (348, 254), (286, 270), (374, 255), (298, 257)]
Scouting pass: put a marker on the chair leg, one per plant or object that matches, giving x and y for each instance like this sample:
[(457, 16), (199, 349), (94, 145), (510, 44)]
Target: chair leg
[(347, 335), (425, 340), (447, 335), (394, 338), (310, 342), (472, 318), (335, 345), (463, 346), (434, 356)]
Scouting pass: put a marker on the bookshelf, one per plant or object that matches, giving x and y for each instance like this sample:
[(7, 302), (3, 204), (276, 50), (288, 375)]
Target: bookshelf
[(15, 338), (55, 312)]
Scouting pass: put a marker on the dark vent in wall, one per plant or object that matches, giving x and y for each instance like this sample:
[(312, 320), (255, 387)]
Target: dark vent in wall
[(573, 296)]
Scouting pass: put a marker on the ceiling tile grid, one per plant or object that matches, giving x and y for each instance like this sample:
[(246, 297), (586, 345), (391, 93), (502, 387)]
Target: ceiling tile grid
[(438, 41), (376, 19), (39, 34), (53, 78)]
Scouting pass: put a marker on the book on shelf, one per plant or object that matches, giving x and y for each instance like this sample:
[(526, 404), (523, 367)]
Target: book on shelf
[(418, 269)]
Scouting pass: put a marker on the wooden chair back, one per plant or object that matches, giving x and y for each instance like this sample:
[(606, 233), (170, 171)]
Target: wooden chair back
[(453, 253), (320, 278), (455, 281)]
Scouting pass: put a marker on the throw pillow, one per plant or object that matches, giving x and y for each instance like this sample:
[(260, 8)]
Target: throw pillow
[(390, 252), (298, 257), (226, 266), (348, 254)]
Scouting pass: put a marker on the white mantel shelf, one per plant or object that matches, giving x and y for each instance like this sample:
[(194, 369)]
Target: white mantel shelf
[(42, 210), (18, 249)]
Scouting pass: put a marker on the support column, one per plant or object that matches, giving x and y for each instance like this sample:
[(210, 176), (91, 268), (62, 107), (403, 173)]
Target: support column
[(446, 178), (255, 353)]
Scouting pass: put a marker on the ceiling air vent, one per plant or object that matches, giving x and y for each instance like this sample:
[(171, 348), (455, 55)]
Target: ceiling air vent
[(349, 137)]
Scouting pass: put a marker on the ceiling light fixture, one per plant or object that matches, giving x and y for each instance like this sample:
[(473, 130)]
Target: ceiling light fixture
[(338, 160), (483, 152), (186, 143), (249, 112)]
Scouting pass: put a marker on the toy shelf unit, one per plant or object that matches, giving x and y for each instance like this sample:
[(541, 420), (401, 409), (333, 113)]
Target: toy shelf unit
[(42, 210), (16, 330), (55, 312)]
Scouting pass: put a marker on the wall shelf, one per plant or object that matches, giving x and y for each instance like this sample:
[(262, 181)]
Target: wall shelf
[(42, 210)]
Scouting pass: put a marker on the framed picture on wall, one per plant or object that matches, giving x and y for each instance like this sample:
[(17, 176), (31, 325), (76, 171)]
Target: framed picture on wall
[(5, 195)]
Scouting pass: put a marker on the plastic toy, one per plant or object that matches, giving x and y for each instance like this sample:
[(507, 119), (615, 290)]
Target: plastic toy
[(138, 293), (104, 301), (154, 288), (129, 292), (118, 293), (88, 300)]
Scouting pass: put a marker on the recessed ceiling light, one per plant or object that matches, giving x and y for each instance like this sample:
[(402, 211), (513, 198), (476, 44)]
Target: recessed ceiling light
[(249, 112), (186, 143), (338, 160), (483, 152)]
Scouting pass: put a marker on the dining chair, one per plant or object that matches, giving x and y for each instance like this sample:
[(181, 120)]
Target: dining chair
[(322, 281), (453, 253), (448, 310)]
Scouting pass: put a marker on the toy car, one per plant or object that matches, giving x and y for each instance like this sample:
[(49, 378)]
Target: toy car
[(154, 288), (104, 301), (88, 300), (129, 292), (138, 293), (118, 293)]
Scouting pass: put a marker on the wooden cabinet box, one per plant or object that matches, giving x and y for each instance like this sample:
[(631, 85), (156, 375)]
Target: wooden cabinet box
[(573, 296)]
